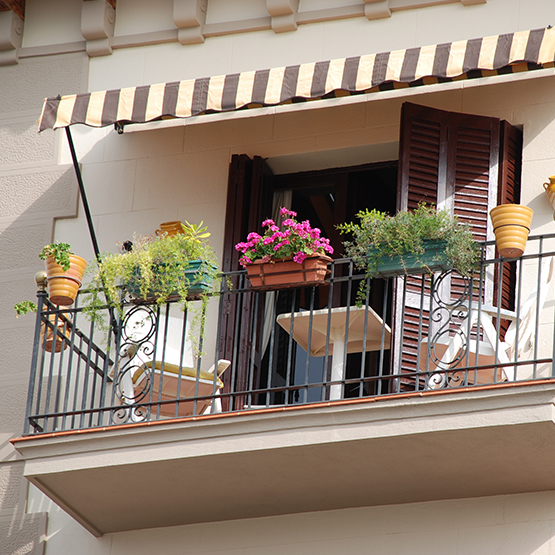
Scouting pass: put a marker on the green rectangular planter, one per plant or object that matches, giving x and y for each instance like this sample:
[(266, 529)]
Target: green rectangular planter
[(432, 260), (198, 280)]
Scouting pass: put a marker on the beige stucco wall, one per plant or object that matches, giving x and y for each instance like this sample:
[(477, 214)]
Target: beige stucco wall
[(139, 179), (511, 525), (34, 189)]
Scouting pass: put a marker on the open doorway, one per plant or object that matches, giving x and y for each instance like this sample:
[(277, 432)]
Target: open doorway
[(326, 198)]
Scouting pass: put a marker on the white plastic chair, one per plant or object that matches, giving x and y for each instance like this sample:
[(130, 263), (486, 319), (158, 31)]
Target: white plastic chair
[(519, 336)]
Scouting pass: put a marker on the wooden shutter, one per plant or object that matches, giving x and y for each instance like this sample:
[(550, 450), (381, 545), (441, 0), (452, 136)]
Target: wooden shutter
[(248, 196), (453, 161), (510, 167)]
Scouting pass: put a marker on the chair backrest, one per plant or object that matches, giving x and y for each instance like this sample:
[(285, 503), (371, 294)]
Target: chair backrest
[(520, 333)]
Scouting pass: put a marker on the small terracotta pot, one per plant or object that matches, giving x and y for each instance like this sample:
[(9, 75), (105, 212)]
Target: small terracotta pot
[(550, 192), (511, 225), (169, 228), (286, 273), (53, 342), (63, 286)]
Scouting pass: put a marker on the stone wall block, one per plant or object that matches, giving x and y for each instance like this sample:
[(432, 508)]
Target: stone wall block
[(21, 244), (38, 195), (377, 9), (13, 400), (11, 33), (11, 477), (97, 26), (25, 86), (189, 17), (23, 534), (15, 290), (21, 144), (284, 14)]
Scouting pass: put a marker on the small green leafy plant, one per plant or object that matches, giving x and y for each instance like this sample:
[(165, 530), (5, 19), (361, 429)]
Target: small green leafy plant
[(24, 307), (379, 235), (60, 252)]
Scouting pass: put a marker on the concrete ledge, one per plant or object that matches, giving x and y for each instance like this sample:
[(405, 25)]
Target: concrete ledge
[(466, 444)]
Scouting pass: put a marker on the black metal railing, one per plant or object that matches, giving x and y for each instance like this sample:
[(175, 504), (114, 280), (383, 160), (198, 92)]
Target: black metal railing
[(348, 338)]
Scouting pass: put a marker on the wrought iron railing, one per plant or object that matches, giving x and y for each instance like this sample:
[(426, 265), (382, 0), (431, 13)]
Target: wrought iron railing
[(348, 338)]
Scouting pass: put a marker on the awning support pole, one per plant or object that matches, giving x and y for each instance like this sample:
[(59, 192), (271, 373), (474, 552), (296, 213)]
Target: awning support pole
[(88, 216), (83, 195)]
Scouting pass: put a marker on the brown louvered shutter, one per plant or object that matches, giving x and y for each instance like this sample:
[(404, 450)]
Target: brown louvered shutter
[(510, 167), (422, 165), (248, 194), (451, 160)]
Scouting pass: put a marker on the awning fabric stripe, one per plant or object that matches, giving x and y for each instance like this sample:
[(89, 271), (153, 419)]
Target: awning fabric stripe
[(520, 51)]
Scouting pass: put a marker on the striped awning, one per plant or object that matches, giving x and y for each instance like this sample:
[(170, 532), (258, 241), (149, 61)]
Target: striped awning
[(467, 59)]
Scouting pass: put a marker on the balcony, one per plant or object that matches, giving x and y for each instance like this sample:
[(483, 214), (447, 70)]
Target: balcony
[(344, 395)]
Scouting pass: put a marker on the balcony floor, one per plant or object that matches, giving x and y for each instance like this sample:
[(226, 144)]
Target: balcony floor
[(437, 445)]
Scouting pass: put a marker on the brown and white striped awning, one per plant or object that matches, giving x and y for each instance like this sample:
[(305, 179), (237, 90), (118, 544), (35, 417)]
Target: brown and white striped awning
[(521, 51)]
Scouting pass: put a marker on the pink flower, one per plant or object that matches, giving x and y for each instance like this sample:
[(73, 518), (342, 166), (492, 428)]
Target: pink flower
[(299, 257), (268, 222), (244, 261)]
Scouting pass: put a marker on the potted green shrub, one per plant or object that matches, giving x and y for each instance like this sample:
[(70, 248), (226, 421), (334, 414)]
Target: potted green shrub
[(64, 271), (64, 275), (156, 269), (421, 241)]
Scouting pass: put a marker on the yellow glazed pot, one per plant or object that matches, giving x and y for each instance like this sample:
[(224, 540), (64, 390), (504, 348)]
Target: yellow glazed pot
[(169, 228), (511, 225), (550, 192), (63, 286)]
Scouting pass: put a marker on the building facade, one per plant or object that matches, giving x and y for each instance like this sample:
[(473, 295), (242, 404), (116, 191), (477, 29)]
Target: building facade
[(464, 472)]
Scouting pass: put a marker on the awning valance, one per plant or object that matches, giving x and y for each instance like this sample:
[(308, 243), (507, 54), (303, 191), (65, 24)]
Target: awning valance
[(508, 53)]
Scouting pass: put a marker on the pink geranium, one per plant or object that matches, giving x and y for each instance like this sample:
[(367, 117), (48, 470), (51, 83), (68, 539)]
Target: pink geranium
[(295, 240)]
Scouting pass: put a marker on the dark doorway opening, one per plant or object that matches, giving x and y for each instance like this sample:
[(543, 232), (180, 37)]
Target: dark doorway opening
[(325, 198)]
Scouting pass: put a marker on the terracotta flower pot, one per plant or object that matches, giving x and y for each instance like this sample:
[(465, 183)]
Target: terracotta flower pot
[(63, 286), (550, 192), (285, 273), (511, 225), (53, 342)]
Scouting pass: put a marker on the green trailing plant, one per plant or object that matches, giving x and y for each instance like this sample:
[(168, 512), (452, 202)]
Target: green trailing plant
[(154, 269), (60, 252), (24, 307), (380, 235)]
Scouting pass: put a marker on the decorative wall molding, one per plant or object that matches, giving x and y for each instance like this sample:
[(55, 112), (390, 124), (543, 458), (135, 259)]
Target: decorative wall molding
[(192, 29), (284, 14), (11, 34), (97, 26), (377, 9), (189, 17)]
